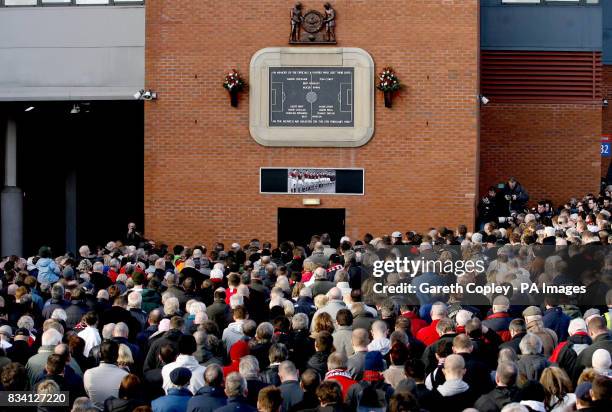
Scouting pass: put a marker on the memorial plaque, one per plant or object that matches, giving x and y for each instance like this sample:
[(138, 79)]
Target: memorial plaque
[(311, 97)]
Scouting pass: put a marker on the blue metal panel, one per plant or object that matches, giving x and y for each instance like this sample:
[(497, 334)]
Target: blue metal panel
[(540, 27), (607, 31)]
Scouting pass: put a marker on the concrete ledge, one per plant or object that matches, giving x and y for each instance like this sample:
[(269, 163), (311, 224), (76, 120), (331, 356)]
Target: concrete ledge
[(358, 135)]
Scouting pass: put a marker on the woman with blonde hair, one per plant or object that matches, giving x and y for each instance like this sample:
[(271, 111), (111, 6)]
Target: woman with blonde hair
[(125, 359), (558, 396)]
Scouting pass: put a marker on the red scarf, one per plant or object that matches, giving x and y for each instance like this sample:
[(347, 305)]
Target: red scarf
[(372, 376)]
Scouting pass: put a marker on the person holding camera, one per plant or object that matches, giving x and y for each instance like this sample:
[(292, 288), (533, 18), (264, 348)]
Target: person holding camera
[(515, 196)]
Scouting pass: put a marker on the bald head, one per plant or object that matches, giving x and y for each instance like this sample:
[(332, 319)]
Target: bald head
[(360, 340), (334, 294), (454, 367)]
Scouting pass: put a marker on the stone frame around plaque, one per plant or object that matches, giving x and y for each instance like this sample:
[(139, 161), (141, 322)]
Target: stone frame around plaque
[(311, 136)]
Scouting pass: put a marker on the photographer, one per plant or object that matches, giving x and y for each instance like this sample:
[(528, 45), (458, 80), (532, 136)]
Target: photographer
[(488, 207), (515, 196)]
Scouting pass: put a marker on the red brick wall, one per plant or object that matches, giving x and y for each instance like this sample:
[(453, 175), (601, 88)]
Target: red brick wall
[(606, 127), (202, 166), (553, 150)]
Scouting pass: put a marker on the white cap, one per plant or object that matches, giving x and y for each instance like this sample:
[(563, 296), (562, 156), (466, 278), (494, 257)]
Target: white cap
[(396, 234), (216, 274), (235, 245), (577, 325), (463, 317), (601, 360), (345, 239), (164, 325), (477, 237)]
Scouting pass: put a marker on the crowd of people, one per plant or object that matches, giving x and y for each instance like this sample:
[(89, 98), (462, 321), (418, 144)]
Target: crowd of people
[(138, 326)]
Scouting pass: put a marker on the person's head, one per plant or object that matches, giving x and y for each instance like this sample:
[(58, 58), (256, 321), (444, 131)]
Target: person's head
[(131, 387), (187, 345), (171, 306), (398, 353), (379, 329), (344, 317), (51, 337), (454, 367), (323, 323), (109, 351), (213, 376), (57, 292), (438, 311), (531, 344), (501, 304), (235, 385), (47, 387), (444, 326), (309, 380), (176, 322), (249, 367), (13, 377), (360, 340), (134, 300), (329, 393), (55, 365), (601, 388), (597, 326), (264, 332), (239, 313), (506, 374), (269, 399), (180, 377), (121, 330), (277, 353), (517, 327), (556, 383), (299, 321), (287, 371), (462, 344), (601, 360), (324, 342), (336, 360)]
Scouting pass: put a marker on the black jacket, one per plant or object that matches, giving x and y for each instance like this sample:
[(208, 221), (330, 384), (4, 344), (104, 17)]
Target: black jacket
[(603, 341), (122, 405), (292, 394), (270, 376), (495, 400), (318, 362), (301, 348), (152, 360)]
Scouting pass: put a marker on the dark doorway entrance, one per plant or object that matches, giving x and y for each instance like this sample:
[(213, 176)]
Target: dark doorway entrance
[(81, 171), (298, 225)]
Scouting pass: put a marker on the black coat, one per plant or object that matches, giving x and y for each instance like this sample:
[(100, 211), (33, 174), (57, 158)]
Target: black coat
[(495, 400), (301, 348), (152, 360), (113, 404), (318, 362)]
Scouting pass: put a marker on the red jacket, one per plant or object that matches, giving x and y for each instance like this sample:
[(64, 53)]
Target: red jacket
[(343, 378), (416, 323), (428, 334)]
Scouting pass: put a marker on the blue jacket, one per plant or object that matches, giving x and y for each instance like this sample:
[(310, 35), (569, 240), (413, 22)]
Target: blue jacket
[(555, 319), (236, 403), (207, 399), (175, 401), (48, 271), (427, 277)]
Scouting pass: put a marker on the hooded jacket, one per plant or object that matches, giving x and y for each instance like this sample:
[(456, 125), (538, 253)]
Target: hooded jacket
[(232, 334), (48, 271)]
